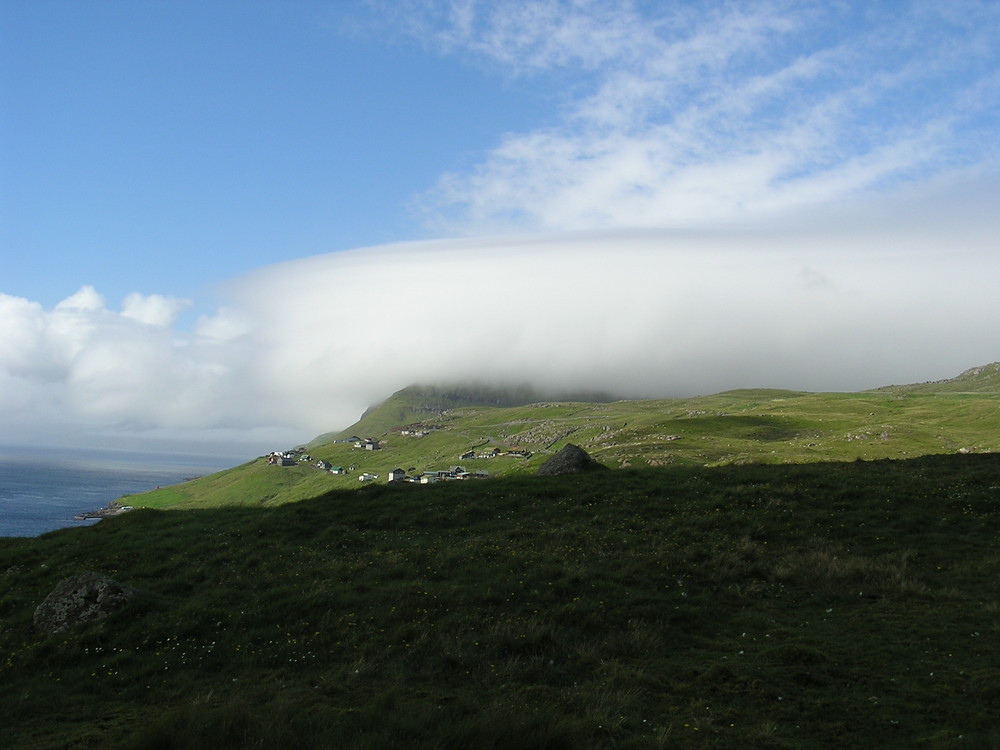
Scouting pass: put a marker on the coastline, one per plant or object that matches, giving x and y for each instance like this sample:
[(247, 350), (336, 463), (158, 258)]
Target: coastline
[(48, 490), (113, 509)]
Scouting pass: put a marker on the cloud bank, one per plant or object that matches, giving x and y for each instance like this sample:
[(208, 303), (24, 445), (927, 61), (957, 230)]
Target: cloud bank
[(83, 374), (654, 313), (897, 292)]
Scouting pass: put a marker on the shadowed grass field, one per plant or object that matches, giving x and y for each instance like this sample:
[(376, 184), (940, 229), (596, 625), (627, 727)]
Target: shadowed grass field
[(770, 606)]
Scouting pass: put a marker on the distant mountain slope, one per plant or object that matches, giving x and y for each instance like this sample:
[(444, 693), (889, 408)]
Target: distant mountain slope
[(503, 432), (418, 403), (982, 379)]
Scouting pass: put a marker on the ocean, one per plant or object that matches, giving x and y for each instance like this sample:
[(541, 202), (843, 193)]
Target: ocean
[(42, 490)]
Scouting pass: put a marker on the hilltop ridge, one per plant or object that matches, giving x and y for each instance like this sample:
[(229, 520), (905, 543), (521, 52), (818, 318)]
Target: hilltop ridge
[(415, 403), (981, 379)]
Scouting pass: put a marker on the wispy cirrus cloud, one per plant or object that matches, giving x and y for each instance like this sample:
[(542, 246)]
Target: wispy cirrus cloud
[(685, 114)]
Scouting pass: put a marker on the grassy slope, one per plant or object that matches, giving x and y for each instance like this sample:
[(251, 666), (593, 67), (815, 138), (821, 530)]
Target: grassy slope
[(422, 402), (808, 605), (733, 427), (982, 379)]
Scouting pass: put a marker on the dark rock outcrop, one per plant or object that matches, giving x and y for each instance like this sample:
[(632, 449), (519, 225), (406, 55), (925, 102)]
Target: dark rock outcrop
[(83, 598), (572, 459)]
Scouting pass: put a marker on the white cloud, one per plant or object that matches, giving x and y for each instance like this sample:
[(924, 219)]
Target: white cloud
[(154, 309), (86, 299), (685, 115), (899, 290), (857, 298), (226, 325), (526, 36), (81, 366)]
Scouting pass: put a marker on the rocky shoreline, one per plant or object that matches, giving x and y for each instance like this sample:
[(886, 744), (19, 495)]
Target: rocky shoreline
[(112, 510)]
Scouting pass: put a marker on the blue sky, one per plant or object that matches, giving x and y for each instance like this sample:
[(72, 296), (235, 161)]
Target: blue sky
[(164, 146), (193, 193)]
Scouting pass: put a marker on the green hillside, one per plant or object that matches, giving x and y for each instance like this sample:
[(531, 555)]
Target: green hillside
[(983, 379), (788, 606), (735, 427), (418, 403)]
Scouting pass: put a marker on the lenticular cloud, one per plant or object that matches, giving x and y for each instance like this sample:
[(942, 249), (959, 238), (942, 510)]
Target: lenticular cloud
[(900, 292), (636, 315)]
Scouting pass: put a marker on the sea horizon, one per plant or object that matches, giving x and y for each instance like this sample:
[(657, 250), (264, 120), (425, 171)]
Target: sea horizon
[(43, 489)]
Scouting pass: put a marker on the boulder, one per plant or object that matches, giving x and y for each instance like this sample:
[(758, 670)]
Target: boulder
[(572, 459), (83, 598)]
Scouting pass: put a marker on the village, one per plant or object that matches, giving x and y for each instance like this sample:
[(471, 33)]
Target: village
[(299, 456)]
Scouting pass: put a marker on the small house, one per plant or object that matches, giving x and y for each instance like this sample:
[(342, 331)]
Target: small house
[(397, 475)]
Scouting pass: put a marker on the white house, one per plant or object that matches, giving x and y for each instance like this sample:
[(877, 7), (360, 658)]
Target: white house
[(397, 475)]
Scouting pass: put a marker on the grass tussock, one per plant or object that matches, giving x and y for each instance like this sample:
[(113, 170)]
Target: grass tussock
[(818, 605), (837, 572)]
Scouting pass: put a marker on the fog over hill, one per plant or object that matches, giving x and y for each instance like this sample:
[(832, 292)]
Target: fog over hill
[(894, 292), (641, 314)]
